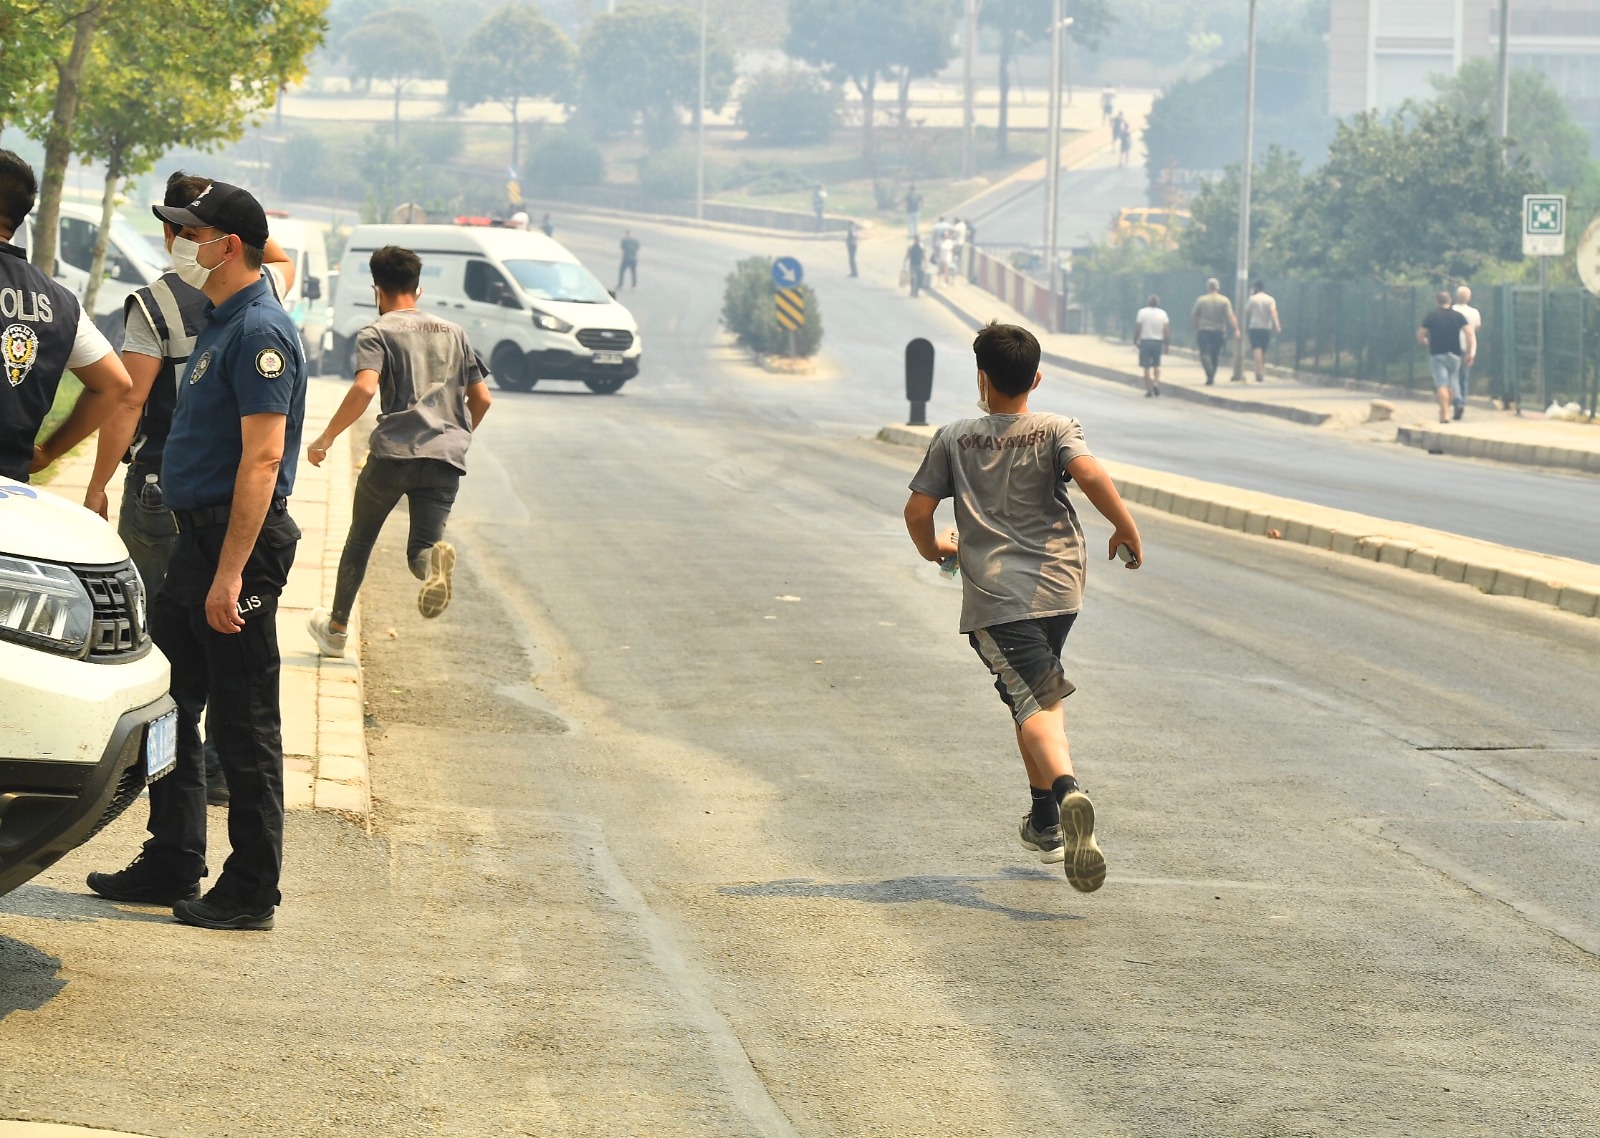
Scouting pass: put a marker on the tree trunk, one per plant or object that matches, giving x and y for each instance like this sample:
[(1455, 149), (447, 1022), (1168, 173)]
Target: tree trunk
[(58, 142), (516, 140), (869, 111), (102, 241), (1008, 39), (397, 87), (905, 96)]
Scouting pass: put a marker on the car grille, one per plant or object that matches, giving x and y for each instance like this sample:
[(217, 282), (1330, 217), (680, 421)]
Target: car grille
[(119, 612), (605, 339)]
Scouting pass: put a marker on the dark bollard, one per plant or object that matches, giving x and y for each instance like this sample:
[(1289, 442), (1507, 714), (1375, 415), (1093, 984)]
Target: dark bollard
[(919, 380)]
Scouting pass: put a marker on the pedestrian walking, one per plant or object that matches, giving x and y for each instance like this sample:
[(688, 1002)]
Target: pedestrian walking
[(1260, 324), (47, 332), (1108, 99), (947, 257), (161, 322), (915, 258), (1152, 334), (1124, 140), (1021, 555), (1474, 318), (1212, 318), (1450, 339), (548, 226), (630, 259), (432, 397), (227, 473), (851, 240), (958, 233), (819, 204), (913, 201)]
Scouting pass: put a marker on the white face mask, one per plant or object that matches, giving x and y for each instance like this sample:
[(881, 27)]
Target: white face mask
[(983, 397), (186, 264)]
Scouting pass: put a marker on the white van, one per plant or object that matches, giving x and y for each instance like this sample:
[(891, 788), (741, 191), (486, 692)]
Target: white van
[(306, 244), (131, 261), (527, 304), (83, 690)]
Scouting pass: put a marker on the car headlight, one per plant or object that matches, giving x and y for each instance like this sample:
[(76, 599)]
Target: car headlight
[(550, 323), (44, 606)]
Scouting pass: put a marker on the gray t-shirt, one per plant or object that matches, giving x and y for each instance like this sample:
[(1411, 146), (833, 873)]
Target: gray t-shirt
[(1021, 545), (424, 365)]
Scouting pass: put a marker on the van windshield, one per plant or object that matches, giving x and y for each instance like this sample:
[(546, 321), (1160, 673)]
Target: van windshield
[(134, 244), (558, 280)]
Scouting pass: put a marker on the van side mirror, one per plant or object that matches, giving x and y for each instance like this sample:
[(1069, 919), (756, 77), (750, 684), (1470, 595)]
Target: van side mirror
[(312, 287)]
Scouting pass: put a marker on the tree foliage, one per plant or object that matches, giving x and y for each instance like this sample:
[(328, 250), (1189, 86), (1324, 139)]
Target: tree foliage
[(394, 46), (749, 310), (35, 34), (788, 107), (644, 63), (1018, 23), (1539, 123), (515, 54)]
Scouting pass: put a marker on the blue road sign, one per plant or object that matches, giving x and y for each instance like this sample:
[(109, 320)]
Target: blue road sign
[(786, 272)]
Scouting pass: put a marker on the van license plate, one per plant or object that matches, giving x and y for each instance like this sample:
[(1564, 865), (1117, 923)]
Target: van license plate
[(161, 746), (608, 357)]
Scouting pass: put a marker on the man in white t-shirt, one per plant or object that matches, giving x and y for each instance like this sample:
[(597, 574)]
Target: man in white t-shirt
[(1152, 332), (1463, 305)]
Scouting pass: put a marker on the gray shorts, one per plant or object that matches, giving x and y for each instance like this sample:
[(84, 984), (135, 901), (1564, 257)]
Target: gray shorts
[(1024, 657)]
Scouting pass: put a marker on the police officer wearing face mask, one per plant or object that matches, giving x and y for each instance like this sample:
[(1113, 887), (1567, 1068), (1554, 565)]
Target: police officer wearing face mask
[(43, 332), (227, 472)]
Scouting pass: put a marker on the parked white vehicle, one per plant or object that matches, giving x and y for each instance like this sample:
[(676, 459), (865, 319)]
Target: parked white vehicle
[(85, 719), (131, 261), (306, 244), (527, 304)]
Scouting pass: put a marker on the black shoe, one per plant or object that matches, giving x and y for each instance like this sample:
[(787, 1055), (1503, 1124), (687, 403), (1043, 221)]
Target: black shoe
[(216, 782), (144, 884), (1459, 410), (222, 913)]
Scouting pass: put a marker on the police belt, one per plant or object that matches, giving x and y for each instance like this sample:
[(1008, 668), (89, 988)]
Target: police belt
[(218, 515)]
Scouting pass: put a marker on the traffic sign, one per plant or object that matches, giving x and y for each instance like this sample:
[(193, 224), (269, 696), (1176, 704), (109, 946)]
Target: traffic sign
[(1589, 257), (1544, 225), (786, 272), (791, 308)]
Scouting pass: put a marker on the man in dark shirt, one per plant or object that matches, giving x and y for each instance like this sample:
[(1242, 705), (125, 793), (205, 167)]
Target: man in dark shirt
[(630, 259), (1447, 335)]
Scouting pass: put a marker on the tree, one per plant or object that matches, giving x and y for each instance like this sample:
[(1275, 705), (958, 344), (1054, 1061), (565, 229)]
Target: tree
[(788, 107), (1277, 195), (33, 33), (514, 54), (57, 133), (396, 45), (1018, 23), (924, 45), (1540, 122), (645, 62), (862, 41)]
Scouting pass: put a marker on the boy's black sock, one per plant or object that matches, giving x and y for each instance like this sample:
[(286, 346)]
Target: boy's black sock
[(1046, 809), (1062, 787)]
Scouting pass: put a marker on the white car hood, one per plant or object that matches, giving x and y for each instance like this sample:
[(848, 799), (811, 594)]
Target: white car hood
[(611, 315), (38, 524)]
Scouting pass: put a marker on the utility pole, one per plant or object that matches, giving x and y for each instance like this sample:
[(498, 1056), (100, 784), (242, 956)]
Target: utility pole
[(1503, 120), (970, 66), (700, 132), (1242, 289), (1052, 168)]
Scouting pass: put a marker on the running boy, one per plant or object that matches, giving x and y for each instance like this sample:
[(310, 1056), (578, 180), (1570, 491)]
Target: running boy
[(1022, 565)]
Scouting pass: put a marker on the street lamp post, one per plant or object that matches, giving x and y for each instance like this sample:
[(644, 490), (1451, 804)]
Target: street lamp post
[(1503, 110), (700, 132), (1052, 169), (970, 65), (1241, 291)]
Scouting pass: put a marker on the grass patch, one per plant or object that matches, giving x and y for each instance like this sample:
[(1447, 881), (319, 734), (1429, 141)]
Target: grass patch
[(66, 395)]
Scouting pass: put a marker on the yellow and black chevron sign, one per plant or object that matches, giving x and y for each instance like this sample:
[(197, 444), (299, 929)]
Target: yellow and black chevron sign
[(791, 308)]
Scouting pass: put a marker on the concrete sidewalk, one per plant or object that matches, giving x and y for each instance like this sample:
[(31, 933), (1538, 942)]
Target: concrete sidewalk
[(1486, 432), (324, 740)]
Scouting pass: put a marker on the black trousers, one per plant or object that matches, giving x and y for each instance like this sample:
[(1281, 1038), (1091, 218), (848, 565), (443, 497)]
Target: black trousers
[(1210, 342), (237, 675), (629, 266), (429, 484)]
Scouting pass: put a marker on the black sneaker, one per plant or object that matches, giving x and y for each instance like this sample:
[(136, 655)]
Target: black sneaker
[(223, 913), (143, 883), (1047, 843), (1085, 864), (216, 782)]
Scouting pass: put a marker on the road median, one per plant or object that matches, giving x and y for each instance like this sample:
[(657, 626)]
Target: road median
[(1499, 570)]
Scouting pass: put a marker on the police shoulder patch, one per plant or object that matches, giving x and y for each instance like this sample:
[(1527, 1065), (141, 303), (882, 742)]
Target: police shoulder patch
[(200, 366), (270, 363), (19, 345)]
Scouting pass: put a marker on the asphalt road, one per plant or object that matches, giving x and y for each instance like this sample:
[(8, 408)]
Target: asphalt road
[(695, 816), (1087, 205)]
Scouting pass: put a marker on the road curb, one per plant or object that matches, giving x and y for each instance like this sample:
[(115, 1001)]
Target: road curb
[(1500, 450), (1560, 582)]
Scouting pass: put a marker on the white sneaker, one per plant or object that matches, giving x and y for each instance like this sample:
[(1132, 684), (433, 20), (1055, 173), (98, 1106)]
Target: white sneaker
[(435, 595), (329, 642)]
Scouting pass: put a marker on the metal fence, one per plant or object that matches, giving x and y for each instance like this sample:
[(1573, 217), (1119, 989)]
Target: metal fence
[(1368, 332)]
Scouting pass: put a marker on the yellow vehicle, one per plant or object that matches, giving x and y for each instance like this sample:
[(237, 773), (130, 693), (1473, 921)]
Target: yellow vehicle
[(1150, 226)]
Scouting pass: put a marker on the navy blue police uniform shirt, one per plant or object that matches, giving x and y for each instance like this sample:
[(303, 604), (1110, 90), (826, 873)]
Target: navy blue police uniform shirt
[(246, 361)]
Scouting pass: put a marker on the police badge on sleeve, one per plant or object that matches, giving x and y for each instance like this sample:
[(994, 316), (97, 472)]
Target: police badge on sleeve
[(200, 366), (270, 363), (19, 347)]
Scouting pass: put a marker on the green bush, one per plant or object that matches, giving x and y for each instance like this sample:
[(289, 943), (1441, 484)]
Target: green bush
[(749, 309), (789, 107), (757, 178), (561, 158), (669, 175)]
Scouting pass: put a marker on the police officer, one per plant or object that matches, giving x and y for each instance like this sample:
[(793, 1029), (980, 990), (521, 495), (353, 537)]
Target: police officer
[(227, 472), (161, 322), (43, 332)]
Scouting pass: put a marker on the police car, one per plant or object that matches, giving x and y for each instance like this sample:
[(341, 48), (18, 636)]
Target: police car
[(87, 719)]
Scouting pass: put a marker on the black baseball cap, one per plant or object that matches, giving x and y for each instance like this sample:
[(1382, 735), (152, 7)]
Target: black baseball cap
[(223, 207)]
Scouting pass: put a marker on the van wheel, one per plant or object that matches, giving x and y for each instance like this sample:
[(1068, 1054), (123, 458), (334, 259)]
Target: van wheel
[(510, 369), (607, 386)]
